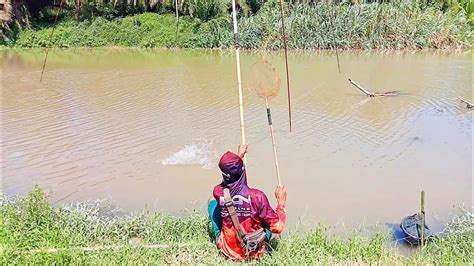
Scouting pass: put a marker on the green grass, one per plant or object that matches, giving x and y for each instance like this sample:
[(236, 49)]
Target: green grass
[(316, 26), (30, 225)]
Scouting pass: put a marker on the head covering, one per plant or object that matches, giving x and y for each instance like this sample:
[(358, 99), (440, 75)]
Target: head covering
[(233, 172)]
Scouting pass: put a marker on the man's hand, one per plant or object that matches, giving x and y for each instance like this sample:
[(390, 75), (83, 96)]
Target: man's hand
[(242, 150), (281, 195)]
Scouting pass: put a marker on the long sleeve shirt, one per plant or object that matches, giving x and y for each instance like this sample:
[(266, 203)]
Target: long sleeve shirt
[(254, 212)]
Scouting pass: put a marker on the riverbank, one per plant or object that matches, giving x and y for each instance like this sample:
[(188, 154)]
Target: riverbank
[(320, 26), (32, 231)]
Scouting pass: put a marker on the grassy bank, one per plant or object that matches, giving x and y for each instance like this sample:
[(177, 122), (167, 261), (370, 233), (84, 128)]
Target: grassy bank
[(29, 226), (404, 25)]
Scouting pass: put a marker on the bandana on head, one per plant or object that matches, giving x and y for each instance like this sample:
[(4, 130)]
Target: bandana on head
[(233, 173), (232, 167)]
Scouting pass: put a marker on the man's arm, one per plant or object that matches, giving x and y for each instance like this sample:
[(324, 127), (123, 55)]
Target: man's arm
[(242, 150), (274, 220)]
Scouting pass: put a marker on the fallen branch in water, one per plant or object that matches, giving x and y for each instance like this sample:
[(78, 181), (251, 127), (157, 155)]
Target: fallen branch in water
[(468, 104), (373, 94)]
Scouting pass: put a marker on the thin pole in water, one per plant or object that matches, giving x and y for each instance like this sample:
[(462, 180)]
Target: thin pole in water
[(422, 218), (286, 61), (334, 41), (333, 46), (239, 79), (177, 23), (61, 4)]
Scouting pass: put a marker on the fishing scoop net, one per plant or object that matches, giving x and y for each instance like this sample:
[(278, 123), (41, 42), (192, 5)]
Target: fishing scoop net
[(264, 80)]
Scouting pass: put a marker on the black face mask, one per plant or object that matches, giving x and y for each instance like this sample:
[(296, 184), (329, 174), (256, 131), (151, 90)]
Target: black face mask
[(231, 178)]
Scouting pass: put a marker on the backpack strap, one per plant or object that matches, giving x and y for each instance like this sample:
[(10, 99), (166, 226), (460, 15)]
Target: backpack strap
[(233, 215)]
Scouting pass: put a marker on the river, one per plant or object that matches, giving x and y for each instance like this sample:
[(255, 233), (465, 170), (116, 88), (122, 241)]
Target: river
[(147, 127)]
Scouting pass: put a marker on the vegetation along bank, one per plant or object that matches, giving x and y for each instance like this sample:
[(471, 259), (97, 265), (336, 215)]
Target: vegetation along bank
[(34, 232), (396, 24)]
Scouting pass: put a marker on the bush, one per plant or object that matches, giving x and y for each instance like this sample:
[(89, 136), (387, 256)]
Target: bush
[(146, 30)]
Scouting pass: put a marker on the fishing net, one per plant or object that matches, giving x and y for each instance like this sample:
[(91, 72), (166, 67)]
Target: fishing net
[(264, 80)]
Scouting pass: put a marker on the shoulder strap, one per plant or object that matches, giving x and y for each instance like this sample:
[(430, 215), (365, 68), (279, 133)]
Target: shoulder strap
[(233, 215)]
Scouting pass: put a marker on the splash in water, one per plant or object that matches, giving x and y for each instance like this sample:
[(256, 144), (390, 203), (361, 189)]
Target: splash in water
[(201, 153)]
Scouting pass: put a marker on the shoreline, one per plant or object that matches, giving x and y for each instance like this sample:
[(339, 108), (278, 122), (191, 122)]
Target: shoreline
[(35, 232), (252, 51)]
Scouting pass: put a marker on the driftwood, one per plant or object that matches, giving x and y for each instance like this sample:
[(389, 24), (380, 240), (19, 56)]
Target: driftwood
[(468, 104), (373, 94)]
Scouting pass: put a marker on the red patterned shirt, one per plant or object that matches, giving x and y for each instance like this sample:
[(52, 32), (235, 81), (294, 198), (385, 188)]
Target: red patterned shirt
[(254, 211)]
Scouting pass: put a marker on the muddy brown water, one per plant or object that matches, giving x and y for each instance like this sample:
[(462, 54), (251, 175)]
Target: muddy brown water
[(147, 127)]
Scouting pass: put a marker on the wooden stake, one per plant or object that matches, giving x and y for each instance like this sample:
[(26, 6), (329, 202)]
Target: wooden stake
[(239, 79), (422, 218), (337, 57), (269, 115)]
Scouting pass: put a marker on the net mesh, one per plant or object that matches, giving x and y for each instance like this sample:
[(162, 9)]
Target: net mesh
[(264, 80)]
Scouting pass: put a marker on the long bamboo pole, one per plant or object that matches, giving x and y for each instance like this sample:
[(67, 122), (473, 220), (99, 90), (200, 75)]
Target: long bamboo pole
[(61, 4), (282, 13), (239, 79), (277, 167)]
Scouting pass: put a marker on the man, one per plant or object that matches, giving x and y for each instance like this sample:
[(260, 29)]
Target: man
[(252, 208)]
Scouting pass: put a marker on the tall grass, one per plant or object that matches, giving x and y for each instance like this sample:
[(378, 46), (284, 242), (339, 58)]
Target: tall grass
[(30, 228), (364, 26)]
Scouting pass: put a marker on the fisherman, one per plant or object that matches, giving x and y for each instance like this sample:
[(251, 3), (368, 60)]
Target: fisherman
[(242, 218)]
